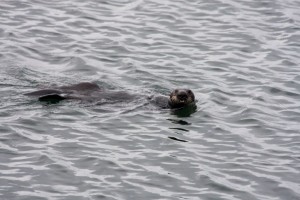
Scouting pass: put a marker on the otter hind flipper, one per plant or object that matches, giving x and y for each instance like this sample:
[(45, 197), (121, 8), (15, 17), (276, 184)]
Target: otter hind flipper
[(51, 98)]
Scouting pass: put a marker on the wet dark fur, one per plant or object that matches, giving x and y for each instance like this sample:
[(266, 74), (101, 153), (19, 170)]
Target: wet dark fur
[(181, 97), (92, 92)]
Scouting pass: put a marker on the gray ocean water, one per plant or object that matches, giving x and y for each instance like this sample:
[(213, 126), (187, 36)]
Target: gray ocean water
[(241, 59)]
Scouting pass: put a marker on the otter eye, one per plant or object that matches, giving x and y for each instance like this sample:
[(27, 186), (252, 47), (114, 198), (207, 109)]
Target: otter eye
[(189, 91), (176, 91)]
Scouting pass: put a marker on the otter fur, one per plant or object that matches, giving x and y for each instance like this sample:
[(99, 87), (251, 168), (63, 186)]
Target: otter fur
[(87, 91)]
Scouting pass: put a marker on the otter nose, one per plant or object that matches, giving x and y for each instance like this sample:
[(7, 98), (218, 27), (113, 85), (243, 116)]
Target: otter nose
[(182, 96)]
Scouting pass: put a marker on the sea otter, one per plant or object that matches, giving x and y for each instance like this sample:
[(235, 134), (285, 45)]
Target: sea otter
[(87, 91)]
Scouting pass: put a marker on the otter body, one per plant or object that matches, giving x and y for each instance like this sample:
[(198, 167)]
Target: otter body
[(86, 91)]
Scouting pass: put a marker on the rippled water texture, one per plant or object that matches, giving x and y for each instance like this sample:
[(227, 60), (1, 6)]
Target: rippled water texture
[(241, 59)]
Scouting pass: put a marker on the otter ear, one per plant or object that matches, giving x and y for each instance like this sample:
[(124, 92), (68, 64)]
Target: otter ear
[(172, 93)]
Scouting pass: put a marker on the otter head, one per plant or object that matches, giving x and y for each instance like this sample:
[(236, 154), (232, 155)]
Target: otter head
[(181, 97)]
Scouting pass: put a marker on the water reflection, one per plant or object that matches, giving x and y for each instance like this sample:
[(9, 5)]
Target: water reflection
[(176, 139), (186, 111), (179, 121), (180, 129)]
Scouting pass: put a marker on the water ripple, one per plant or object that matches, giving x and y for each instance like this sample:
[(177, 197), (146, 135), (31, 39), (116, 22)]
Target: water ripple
[(239, 57)]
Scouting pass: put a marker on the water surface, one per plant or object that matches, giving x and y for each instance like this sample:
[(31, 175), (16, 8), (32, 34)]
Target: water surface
[(241, 59)]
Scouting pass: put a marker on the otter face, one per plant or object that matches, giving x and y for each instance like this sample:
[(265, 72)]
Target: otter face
[(181, 97)]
